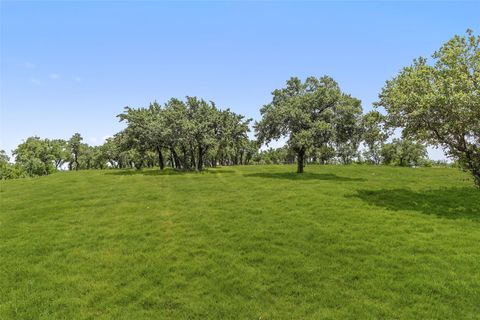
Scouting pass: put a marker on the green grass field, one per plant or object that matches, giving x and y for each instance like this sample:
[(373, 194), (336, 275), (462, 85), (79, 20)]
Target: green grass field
[(253, 242)]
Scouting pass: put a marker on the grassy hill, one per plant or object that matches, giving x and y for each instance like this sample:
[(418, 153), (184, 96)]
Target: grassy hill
[(254, 242)]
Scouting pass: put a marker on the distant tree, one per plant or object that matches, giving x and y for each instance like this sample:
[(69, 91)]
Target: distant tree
[(325, 154), (189, 134), (35, 156), (201, 127), (303, 113), (157, 132), (110, 152), (231, 141), (4, 158), (404, 153), (11, 171), (348, 128), (86, 157), (74, 145), (99, 159), (440, 103), (388, 153), (5, 166), (374, 135), (251, 150), (177, 134), (59, 149), (281, 155), (139, 133)]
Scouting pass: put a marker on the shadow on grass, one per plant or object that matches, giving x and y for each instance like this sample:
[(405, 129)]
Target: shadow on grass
[(166, 172), (301, 176), (451, 203)]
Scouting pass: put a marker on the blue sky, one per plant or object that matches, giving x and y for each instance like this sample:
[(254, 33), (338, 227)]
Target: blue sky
[(72, 66)]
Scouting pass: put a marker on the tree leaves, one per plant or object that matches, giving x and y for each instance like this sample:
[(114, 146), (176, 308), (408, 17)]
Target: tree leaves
[(440, 103), (311, 115)]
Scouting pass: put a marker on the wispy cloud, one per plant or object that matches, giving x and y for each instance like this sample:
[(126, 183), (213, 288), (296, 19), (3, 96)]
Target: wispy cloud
[(54, 76), (77, 79)]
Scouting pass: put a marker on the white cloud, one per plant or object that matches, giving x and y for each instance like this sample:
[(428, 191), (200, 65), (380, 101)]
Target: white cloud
[(77, 79), (54, 76)]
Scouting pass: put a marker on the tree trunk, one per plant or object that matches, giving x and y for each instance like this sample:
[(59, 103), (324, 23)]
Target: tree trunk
[(300, 160), (185, 157), (160, 158), (200, 158), (235, 158), (178, 164), (76, 163), (474, 168), (172, 160), (193, 162), (476, 177)]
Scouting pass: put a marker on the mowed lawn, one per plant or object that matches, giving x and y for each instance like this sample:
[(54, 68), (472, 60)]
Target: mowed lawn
[(253, 242)]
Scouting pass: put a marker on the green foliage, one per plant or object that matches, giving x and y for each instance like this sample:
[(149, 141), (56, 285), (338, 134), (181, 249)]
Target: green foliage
[(4, 158), (243, 242), (282, 155), (12, 171), (440, 103), (74, 146), (434, 104), (9, 170), (111, 152), (403, 153), (325, 154), (36, 156), (59, 151), (188, 134), (374, 135), (310, 115), (348, 128)]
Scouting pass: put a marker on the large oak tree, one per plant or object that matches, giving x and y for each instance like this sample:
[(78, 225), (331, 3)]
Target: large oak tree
[(305, 114), (439, 103)]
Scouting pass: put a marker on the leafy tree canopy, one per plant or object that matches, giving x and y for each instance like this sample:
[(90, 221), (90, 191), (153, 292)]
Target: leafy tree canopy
[(305, 113), (439, 103)]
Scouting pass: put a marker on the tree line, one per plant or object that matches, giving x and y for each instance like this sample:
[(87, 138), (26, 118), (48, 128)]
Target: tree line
[(432, 103), (399, 152), (188, 134), (192, 134)]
